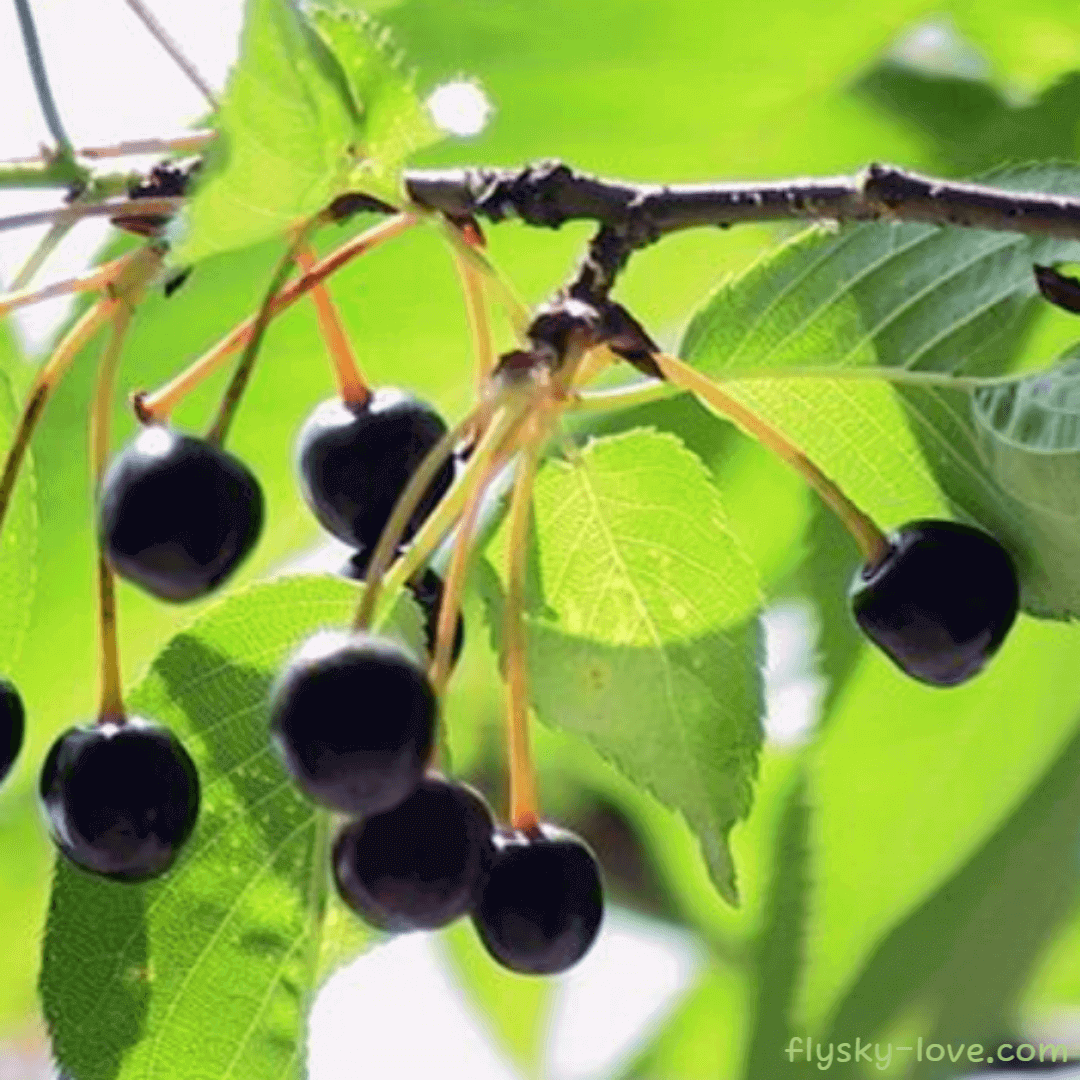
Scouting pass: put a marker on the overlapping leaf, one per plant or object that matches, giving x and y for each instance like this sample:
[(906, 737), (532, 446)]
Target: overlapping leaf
[(224, 952), (309, 111), (929, 303), (647, 641)]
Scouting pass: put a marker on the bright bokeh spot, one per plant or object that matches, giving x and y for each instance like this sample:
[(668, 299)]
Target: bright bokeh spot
[(460, 108)]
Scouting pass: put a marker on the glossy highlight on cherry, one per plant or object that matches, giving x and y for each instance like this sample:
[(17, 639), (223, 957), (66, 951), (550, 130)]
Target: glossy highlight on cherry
[(940, 603), (121, 799), (178, 515), (352, 716), (420, 865)]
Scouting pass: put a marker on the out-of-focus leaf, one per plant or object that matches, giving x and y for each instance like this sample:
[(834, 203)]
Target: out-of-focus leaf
[(517, 1008), (967, 952), (910, 781)]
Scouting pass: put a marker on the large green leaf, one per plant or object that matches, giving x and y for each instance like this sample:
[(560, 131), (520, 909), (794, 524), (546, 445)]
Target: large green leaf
[(648, 641), (909, 781), (797, 337), (966, 953), (208, 971)]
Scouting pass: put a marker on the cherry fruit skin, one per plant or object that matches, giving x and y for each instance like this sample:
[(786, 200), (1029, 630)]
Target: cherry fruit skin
[(178, 515), (353, 717), (12, 726), (420, 865), (121, 799), (355, 460), (540, 910), (940, 603)]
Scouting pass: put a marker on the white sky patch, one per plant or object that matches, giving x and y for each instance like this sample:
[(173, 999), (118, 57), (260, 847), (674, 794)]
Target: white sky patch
[(460, 108)]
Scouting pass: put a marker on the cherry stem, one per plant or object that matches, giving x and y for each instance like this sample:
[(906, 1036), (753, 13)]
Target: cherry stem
[(518, 314), (500, 437), (524, 802), (112, 703), (230, 400), (97, 278), (406, 505), (871, 540), (351, 383), (472, 288), (46, 381), (454, 586), (158, 405)]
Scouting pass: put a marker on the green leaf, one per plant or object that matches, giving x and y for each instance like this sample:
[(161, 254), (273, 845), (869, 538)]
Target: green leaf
[(516, 1008), (967, 952), (394, 124), (701, 1040), (312, 109), (208, 971), (652, 652), (798, 337), (909, 781), (970, 124), (286, 123)]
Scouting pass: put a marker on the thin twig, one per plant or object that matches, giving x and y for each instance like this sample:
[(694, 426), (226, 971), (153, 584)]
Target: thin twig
[(161, 36), (97, 278), (187, 143), (122, 207), (34, 58), (47, 245)]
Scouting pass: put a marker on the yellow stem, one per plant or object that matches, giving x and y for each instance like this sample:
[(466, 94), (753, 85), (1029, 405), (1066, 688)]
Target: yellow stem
[(112, 703), (472, 288), (518, 314), (524, 799), (871, 540), (158, 405), (454, 585), (352, 386), (48, 376)]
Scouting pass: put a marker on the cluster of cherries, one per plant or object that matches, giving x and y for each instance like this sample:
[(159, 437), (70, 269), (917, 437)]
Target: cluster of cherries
[(353, 714)]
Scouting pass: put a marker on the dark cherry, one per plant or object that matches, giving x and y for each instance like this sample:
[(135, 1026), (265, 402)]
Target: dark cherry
[(355, 460), (940, 603), (353, 717), (541, 907), (12, 726), (178, 515), (121, 799), (420, 865)]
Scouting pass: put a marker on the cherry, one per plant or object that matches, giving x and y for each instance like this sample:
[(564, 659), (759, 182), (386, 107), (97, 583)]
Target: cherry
[(420, 865), (353, 717), (542, 905), (121, 799), (941, 601), (12, 726), (178, 514), (355, 460)]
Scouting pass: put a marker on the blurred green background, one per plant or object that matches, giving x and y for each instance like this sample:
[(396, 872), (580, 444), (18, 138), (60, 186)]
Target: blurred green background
[(678, 91)]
